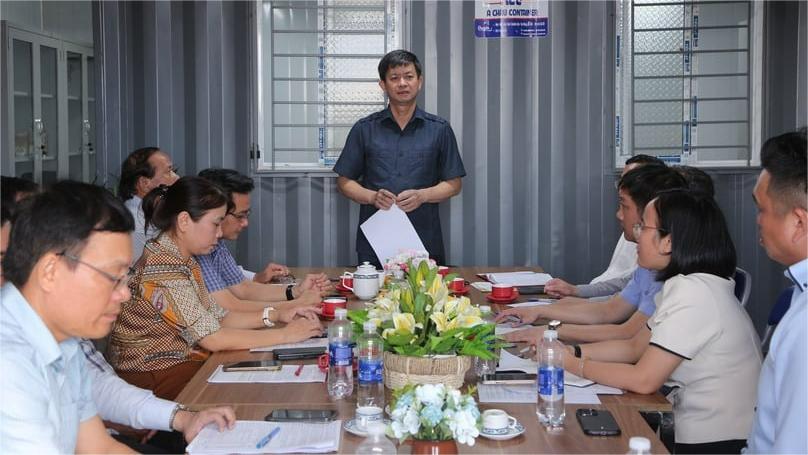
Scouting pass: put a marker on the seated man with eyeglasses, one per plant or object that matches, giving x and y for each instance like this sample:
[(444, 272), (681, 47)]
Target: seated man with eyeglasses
[(623, 314), (224, 279)]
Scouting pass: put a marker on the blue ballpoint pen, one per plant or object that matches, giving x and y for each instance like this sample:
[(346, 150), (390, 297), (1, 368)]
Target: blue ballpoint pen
[(265, 440)]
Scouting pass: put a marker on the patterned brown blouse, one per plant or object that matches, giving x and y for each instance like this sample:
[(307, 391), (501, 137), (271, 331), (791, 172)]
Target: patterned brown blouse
[(169, 312)]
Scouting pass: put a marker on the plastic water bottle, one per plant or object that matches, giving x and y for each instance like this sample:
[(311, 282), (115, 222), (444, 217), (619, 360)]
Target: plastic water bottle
[(371, 367), (340, 356), (376, 442), (481, 366), (639, 446), (550, 381)]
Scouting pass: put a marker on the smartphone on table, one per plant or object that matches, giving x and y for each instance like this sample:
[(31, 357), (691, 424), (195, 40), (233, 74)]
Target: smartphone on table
[(509, 378), (597, 422), (253, 365), (301, 415)]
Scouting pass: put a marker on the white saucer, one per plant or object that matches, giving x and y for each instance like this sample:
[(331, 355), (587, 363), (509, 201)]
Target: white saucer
[(513, 432), (352, 426)]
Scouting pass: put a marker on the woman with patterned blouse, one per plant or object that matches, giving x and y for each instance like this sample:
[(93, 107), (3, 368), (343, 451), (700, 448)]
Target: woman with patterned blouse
[(171, 324)]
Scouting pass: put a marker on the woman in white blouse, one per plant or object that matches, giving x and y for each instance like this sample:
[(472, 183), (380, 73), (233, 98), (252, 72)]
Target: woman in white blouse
[(699, 339)]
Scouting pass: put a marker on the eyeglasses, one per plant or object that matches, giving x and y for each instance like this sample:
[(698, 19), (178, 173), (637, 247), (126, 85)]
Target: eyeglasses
[(117, 281), (639, 227), (241, 216)]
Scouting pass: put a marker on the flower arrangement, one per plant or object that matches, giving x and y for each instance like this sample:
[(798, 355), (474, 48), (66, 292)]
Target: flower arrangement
[(420, 318), (434, 412), (406, 258)]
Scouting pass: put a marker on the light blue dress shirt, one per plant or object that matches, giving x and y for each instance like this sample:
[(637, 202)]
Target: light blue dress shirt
[(44, 390), (641, 290), (781, 420)]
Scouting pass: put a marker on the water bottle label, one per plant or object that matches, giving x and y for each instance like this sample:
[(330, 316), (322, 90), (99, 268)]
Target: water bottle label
[(549, 378), (370, 370), (340, 355)]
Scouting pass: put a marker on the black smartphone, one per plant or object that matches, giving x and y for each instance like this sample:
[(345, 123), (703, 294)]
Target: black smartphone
[(253, 365), (597, 422), (509, 378), (301, 415), (298, 353), (532, 290)]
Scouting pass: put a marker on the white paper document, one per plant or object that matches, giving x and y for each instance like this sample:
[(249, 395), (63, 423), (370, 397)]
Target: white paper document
[(502, 329), (537, 302), (309, 373), (293, 437), (508, 361), (310, 343), (390, 231), (482, 286), (524, 278), (526, 393)]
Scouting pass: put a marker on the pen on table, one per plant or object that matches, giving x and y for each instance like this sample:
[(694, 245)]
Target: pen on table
[(299, 370), (265, 440)]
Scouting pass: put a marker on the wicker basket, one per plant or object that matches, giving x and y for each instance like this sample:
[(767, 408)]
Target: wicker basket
[(400, 370)]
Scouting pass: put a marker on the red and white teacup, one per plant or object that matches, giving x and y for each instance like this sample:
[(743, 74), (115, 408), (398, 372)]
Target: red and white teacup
[(501, 291), (457, 285), (346, 280), (443, 270), (330, 304)]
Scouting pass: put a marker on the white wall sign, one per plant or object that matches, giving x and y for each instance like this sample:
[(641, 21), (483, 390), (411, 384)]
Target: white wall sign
[(511, 18)]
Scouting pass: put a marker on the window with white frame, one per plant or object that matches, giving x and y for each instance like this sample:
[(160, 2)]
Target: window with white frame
[(317, 75), (688, 81)]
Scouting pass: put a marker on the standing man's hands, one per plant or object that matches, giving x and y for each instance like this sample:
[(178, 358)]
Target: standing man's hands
[(383, 199), (410, 200)]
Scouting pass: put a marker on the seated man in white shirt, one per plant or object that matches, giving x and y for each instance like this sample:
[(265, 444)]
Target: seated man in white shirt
[(142, 171), (781, 195), (224, 279), (65, 267), (622, 264)]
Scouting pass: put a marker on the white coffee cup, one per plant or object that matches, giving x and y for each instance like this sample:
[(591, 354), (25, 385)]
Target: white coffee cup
[(497, 421), (382, 276), (368, 414)]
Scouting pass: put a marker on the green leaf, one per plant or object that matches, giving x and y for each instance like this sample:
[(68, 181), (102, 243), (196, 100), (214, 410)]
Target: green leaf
[(399, 339)]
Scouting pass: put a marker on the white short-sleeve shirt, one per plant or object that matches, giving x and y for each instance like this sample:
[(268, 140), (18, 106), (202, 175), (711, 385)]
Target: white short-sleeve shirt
[(699, 319)]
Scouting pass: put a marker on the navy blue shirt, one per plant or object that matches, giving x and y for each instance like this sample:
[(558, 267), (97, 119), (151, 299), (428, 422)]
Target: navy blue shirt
[(380, 155)]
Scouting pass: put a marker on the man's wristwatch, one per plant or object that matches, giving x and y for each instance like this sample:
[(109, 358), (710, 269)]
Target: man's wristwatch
[(576, 350), (289, 294), (265, 317), (177, 408)]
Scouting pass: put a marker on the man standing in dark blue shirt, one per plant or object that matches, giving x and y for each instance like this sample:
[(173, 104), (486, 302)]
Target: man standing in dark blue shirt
[(401, 155)]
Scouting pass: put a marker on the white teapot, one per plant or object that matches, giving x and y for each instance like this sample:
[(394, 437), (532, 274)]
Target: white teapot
[(365, 281)]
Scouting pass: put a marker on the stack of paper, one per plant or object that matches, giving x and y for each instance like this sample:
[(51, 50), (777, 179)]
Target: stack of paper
[(310, 343), (526, 393), (293, 437), (525, 278), (309, 373)]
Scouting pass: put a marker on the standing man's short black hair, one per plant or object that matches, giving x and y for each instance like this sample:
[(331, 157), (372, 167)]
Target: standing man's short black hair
[(135, 165), (644, 159), (397, 58), (784, 158), (697, 180), (59, 219), (229, 180)]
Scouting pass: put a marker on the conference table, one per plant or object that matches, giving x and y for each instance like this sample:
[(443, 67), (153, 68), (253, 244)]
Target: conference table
[(255, 401)]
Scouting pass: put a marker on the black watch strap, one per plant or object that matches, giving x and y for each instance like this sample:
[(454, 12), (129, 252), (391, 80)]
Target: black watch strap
[(577, 350), (289, 294)]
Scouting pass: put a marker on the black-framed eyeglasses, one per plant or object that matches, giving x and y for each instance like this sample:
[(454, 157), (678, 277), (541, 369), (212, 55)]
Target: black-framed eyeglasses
[(639, 227), (241, 216), (117, 281)]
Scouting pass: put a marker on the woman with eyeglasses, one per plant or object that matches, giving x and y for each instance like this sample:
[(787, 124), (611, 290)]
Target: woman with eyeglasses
[(171, 324), (699, 340)]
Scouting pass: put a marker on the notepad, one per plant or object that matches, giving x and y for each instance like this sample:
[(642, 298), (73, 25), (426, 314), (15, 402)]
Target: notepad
[(389, 232), (526, 393), (293, 437), (309, 373), (310, 343), (523, 278)]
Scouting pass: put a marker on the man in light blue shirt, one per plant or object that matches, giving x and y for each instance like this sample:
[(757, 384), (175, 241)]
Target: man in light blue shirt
[(781, 419), (66, 268)]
